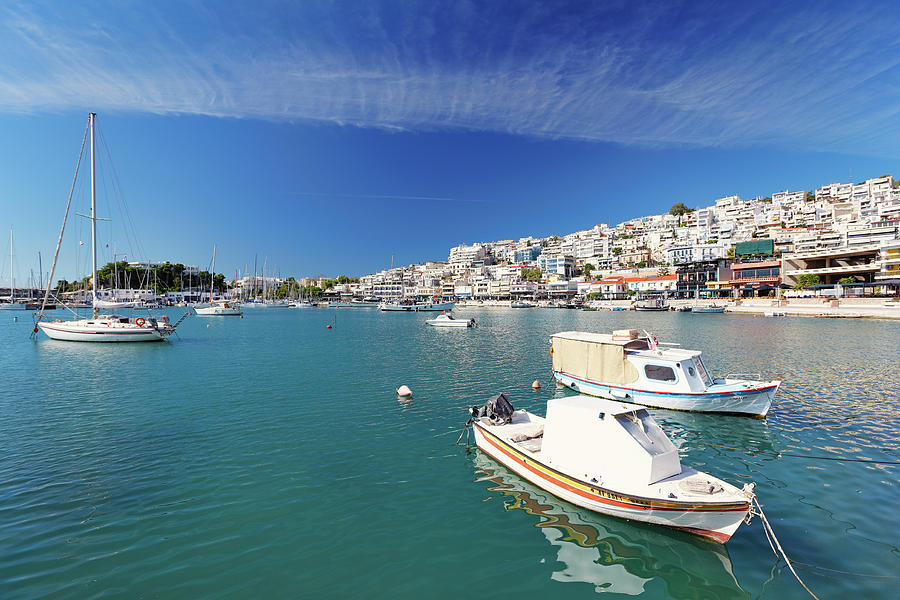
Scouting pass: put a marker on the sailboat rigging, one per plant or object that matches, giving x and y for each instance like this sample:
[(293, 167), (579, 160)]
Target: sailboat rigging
[(99, 327)]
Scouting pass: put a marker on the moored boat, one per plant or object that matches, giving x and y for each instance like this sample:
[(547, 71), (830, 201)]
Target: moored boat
[(712, 308), (100, 328), (416, 306), (610, 457), (651, 304), (219, 308), (445, 320), (638, 369), (109, 328)]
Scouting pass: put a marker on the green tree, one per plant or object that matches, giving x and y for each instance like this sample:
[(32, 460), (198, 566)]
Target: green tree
[(663, 269), (679, 209), (617, 251), (731, 252), (588, 268), (534, 273), (847, 280), (641, 265), (805, 281)]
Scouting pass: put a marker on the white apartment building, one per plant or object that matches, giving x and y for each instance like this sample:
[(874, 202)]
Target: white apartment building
[(694, 253), (467, 254)]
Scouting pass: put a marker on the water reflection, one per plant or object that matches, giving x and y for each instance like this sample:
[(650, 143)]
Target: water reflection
[(613, 555), (687, 430)]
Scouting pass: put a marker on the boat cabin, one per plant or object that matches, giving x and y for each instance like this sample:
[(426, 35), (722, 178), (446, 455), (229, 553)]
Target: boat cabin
[(628, 359), (612, 443)]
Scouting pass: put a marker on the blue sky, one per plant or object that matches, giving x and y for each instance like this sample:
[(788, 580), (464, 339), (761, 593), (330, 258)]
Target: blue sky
[(325, 136)]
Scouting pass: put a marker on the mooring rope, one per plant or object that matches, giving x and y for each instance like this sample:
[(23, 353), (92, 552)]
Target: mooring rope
[(769, 531), (465, 431)]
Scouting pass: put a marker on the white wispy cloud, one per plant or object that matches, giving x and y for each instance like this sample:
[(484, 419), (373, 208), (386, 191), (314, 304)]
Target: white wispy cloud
[(650, 74)]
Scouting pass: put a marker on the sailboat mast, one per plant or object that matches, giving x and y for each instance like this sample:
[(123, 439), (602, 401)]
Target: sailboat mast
[(212, 276), (12, 270), (93, 220)]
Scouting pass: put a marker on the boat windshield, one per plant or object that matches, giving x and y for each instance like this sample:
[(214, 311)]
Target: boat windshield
[(701, 371)]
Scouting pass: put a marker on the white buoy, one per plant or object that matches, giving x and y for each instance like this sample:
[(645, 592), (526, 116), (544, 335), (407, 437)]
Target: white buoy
[(404, 392), (536, 385), (207, 325)]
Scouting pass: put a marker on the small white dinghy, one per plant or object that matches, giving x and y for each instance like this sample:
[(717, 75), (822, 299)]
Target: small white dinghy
[(612, 458), (445, 320)]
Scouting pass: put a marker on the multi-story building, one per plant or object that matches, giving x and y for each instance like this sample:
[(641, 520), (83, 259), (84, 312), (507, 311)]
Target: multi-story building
[(752, 277), (558, 264), (691, 253), (693, 278), (833, 264), (467, 254), (889, 260)]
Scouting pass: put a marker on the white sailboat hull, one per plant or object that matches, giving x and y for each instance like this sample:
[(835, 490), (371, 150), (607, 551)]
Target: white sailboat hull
[(113, 304), (103, 330), (217, 311)]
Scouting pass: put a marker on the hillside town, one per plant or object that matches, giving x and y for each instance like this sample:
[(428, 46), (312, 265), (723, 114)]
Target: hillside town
[(842, 233), (797, 241)]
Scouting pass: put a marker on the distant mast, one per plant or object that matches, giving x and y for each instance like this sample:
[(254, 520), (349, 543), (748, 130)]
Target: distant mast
[(212, 276), (12, 270)]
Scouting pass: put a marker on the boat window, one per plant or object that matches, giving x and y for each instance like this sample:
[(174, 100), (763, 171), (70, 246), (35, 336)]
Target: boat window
[(701, 369), (659, 372), (691, 371)]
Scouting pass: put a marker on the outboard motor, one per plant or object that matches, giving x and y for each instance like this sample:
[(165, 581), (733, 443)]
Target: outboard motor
[(498, 410)]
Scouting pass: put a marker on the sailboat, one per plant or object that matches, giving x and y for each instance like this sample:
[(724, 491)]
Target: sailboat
[(107, 327), (12, 304), (217, 308)]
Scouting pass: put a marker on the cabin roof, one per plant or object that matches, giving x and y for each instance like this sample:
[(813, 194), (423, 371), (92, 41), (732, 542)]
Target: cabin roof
[(587, 336), (593, 403)]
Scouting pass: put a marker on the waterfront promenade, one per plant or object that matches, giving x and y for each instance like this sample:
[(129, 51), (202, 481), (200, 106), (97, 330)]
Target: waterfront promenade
[(847, 308)]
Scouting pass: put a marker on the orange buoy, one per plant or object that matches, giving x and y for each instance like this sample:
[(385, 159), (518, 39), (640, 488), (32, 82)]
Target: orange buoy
[(328, 327), (536, 385)]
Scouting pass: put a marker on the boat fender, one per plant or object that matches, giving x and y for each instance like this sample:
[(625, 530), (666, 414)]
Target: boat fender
[(139, 321)]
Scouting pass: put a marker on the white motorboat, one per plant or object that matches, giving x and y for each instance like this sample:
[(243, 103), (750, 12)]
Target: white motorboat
[(219, 308), (712, 308), (445, 320), (100, 328), (610, 457), (612, 555), (651, 304), (627, 366)]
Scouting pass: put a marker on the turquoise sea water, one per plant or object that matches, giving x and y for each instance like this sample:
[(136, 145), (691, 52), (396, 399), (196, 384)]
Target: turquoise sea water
[(270, 457)]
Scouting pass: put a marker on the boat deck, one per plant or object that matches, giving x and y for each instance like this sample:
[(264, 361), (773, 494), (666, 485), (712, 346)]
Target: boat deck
[(525, 434)]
